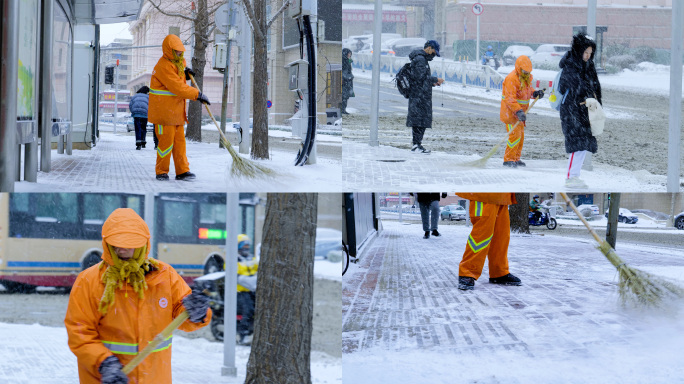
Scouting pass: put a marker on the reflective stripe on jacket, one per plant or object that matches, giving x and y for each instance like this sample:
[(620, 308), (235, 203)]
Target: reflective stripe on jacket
[(168, 89), (128, 326), (489, 198), (514, 96)]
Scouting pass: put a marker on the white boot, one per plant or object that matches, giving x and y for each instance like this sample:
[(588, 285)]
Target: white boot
[(575, 183)]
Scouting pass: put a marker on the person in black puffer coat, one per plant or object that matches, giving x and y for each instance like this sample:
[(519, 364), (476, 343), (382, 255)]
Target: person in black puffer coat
[(580, 81), (420, 97), (347, 79)]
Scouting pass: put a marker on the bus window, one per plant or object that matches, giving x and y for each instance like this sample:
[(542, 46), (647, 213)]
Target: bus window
[(178, 219), (212, 213), (136, 203), (56, 207)]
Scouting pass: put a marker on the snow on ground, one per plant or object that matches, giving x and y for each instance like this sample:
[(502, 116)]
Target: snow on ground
[(405, 321), (114, 165), (35, 354), (324, 269)]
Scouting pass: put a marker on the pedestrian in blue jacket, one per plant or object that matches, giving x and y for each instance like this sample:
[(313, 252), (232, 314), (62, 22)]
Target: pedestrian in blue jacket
[(138, 107)]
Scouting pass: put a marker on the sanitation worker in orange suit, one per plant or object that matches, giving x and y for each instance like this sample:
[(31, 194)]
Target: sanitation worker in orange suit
[(515, 100), (488, 239), (118, 306), (168, 92)]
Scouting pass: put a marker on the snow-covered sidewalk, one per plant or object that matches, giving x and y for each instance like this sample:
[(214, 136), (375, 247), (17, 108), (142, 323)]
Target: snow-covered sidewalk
[(405, 321), (36, 354), (114, 165)]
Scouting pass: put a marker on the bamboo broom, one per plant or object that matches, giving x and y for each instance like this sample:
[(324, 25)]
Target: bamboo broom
[(165, 334), (635, 286), (241, 166), (481, 162)]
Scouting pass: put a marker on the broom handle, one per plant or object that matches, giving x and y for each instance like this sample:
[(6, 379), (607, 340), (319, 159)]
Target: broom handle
[(208, 110), (579, 214), (155, 342)]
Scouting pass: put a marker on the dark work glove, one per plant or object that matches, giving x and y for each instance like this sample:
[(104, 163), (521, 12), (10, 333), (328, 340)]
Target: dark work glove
[(110, 369), (521, 115), (189, 72), (203, 98), (538, 94), (444, 195), (196, 304)]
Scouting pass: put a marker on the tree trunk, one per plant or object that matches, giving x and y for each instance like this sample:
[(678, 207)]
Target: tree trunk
[(281, 346), (260, 85), (518, 213), (199, 60)]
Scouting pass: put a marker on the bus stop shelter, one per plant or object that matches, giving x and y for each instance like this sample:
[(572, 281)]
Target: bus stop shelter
[(42, 50)]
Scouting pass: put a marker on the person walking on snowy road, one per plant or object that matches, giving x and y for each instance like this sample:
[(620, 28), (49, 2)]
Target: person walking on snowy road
[(489, 238), (168, 92), (138, 107), (347, 79), (119, 305), (580, 81), (515, 99), (419, 115), (429, 212)]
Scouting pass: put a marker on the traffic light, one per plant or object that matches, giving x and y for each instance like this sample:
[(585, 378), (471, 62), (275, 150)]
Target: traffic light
[(109, 75)]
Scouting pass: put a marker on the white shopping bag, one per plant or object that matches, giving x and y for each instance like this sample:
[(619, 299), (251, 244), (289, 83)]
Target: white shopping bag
[(597, 118)]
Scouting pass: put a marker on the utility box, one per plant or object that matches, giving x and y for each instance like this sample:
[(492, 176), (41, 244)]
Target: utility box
[(220, 56), (298, 74), (298, 8)]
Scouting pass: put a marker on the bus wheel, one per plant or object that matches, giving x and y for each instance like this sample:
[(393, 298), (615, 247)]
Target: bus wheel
[(16, 287), (91, 260), (214, 264)]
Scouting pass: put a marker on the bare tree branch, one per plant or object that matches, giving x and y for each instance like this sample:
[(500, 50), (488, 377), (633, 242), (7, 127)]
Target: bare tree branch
[(212, 11), (281, 10), (170, 13), (247, 7)]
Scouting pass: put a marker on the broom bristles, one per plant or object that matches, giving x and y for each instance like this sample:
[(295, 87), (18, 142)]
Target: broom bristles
[(483, 161), (244, 167), (639, 287)]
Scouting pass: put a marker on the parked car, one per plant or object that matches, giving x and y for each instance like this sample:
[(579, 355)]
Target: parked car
[(403, 47), (453, 212), (356, 43), (327, 239), (130, 125), (549, 53), (625, 216), (514, 51), (589, 209), (679, 221)]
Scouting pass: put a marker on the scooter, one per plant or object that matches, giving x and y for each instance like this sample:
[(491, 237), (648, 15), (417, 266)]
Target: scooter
[(213, 285), (545, 219), (492, 61)]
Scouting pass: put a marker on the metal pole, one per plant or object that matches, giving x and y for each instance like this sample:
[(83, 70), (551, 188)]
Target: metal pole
[(96, 88), (45, 86), (591, 31), (477, 44), (613, 210), (9, 59), (116, 94), (230, 293), (226, 76), (245, 83), (313, 156), (401, 206), (149, 219), (375, 82), (675, 135)]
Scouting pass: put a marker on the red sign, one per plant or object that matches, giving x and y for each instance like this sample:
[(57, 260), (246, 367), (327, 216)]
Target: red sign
[(478, 9)]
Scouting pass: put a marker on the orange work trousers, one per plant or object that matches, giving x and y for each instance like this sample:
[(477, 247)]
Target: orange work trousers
[(489, 238), (171, 142), (514, 143)]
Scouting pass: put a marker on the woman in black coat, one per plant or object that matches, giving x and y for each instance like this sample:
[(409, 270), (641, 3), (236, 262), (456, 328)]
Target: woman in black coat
[(578, 82), (347, 79)]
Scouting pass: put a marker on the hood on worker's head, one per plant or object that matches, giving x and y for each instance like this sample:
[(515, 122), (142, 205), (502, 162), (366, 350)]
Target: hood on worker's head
[(172, 43), (523, 63), (124, 229)]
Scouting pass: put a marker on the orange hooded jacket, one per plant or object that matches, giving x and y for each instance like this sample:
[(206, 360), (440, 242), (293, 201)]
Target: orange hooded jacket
[(514, 96), (490, 198), (168, 89), (131, 323)]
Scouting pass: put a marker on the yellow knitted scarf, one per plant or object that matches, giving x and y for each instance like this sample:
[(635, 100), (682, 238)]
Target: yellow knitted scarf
[(524, 80), (130, 271), (178, 62)]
